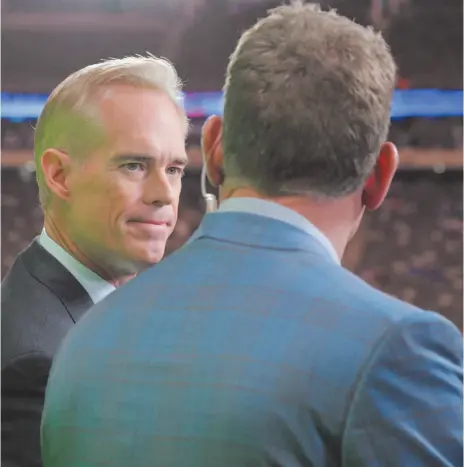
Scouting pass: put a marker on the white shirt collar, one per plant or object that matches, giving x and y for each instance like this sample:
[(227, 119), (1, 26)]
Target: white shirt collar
[(281, 213), (95, 286)]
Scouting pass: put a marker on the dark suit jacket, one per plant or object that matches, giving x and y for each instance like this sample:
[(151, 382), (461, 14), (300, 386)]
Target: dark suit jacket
[(41, 300)]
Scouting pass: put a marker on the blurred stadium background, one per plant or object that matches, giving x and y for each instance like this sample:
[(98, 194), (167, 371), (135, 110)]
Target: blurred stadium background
[(412, 248)]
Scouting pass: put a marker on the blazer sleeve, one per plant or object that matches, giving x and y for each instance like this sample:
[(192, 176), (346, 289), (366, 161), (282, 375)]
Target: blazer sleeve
[(23, 392), (407, 406)]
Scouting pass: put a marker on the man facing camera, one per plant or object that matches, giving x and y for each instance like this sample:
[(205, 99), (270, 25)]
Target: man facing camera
[(252, 345), (110, 155)]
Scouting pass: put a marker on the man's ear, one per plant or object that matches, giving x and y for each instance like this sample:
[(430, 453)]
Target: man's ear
[(56, 167), (378, 184), (211, 147)]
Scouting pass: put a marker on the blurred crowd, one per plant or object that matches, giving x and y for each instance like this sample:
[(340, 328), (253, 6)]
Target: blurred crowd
[(442, 133), (108, 219), (411, 248), (425, 37)]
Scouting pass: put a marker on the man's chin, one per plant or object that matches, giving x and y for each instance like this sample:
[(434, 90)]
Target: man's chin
[(145, 254), (150, 258), (134, 265)]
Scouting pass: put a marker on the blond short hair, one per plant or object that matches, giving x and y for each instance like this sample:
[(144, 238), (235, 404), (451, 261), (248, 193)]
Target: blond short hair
[(307, 103), (74, 101)]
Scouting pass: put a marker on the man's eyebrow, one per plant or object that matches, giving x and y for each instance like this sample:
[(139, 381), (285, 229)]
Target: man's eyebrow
[(183, 161), (180, 161), (132, 157)]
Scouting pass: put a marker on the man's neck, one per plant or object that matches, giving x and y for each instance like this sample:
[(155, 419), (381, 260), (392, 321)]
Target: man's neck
[(60, 237), (334, 218)]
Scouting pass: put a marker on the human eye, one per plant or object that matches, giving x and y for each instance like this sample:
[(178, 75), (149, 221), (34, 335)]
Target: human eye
[(179, 171), (133, 167)]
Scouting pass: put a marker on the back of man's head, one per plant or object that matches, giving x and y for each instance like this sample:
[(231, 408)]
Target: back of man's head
[(307, 104)]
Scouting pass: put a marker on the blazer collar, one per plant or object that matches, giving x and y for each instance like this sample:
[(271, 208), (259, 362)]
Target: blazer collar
[(259, 231), (53, 275)]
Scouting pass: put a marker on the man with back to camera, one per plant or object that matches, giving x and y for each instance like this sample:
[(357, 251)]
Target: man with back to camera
[(252, 346), (110, 153)]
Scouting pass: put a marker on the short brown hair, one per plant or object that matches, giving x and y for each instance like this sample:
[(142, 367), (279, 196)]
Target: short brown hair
[(307, 103)]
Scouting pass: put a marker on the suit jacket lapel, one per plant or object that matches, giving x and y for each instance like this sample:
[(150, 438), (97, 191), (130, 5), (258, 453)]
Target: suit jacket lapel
[(51, 273)]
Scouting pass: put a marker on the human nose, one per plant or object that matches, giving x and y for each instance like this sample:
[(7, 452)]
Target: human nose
[(159, 189)]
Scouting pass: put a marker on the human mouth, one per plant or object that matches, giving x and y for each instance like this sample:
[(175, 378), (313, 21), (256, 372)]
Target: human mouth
[(158, 223), (150, 227)]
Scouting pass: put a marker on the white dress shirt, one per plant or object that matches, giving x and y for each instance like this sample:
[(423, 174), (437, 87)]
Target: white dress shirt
[(95, 286)]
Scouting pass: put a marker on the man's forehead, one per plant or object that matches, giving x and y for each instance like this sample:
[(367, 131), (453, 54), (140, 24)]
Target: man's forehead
[(128, 108), (125, 99), (144, 125), (149, 140)]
